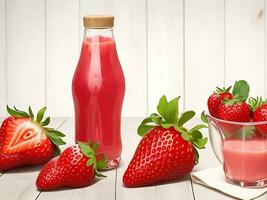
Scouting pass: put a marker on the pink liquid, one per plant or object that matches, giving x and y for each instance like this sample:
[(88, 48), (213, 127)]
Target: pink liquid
[(98, 89), (245, 160)]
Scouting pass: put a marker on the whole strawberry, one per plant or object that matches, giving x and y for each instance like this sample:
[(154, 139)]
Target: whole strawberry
[(75, 167), (235, 109), (27, 141), (168, 150), (216, 99), (259, 113)]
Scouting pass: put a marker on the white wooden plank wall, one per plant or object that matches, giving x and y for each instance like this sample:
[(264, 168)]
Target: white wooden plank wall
[(130, 34), (25, 53), (2, 55), (245, 43), (165, 47), (62, 53), (204, 50), (165, 50)]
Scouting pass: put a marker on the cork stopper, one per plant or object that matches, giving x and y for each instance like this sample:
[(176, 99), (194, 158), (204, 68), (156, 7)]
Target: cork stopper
[(98, 21)]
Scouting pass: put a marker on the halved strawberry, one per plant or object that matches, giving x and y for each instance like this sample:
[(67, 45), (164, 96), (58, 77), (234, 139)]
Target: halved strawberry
[(26, 141)]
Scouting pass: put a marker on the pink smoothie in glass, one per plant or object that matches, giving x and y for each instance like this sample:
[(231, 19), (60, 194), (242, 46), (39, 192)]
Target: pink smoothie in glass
[(98, 90), (245, 160)]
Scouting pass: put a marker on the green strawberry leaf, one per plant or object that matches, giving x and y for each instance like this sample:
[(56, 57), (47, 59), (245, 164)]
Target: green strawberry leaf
[(172, 111), (31, 113), (185, 136), (196, 134), (58, 133), (20, 111), (58, 150), (200, 143), (143, 129), (254, 103), (168, 110), (147, 120), (40, 114), (204, 118), (236, 100), (196, 155), (180, 129), (95, 146), (90, 162), (198, 127), (162, 106), (102, 164), (16, 113), (16, 108), (185, 117), (241, 88), (85, 147), (55, 139), (167, 126), (52, 135), (156, 118), (228, 89), (89, 152), (222, 90), (46, 121)]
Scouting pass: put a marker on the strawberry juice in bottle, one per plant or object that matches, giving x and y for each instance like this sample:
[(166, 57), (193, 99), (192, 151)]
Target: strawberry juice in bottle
[(98, 89)]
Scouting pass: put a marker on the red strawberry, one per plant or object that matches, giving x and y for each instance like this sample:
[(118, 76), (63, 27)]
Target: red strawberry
[(75, 167), (167, 151), (24, 141), (259, 113), (233, 110), (237, 112), (216, 98)]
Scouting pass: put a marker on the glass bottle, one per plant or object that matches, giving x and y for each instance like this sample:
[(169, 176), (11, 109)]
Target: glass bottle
[(98, 89)]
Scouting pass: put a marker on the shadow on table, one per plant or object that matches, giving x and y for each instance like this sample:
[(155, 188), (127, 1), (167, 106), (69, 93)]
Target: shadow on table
[(69, 188), (181, 180), (25, 169)]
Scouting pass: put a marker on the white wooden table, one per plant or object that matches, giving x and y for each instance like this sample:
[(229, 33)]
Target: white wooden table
[(19, 183)]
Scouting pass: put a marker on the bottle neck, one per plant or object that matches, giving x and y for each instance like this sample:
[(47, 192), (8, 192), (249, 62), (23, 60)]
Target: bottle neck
[(103, 32)]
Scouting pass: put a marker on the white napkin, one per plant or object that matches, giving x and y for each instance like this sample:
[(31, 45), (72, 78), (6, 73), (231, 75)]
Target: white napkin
[(214, 178)]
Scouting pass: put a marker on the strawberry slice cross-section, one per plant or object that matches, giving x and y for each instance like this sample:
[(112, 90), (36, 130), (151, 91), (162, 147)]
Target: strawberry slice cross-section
[(25, 140)]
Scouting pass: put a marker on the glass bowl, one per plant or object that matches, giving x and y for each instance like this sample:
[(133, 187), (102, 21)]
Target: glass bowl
[(241, 147)]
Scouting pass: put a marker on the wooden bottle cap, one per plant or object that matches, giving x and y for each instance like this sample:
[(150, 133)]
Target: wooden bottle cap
[(98, 21)]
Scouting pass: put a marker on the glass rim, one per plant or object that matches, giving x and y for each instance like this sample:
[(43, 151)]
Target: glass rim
[(250, 123)]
